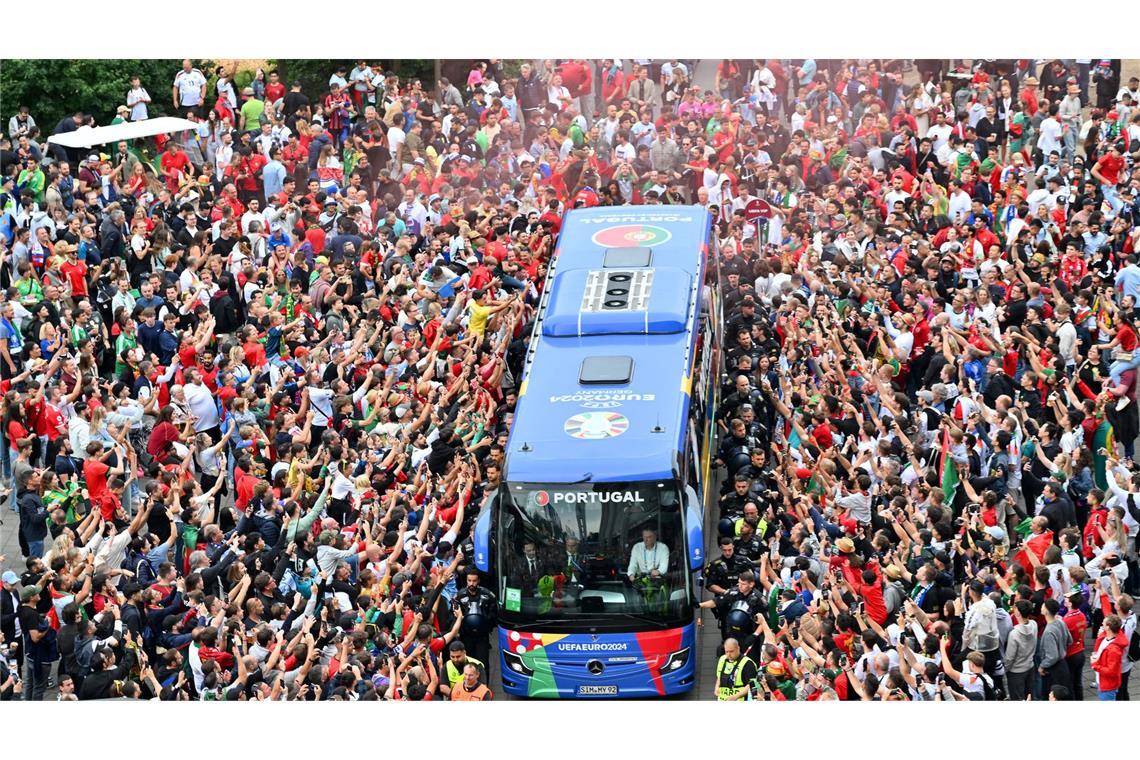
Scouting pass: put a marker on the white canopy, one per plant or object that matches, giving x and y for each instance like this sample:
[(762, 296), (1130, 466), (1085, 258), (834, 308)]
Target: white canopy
[(85, 137)]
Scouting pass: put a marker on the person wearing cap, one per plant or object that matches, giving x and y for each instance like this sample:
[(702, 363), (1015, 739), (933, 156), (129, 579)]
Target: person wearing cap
[(251, 111), (39, 640), (9, 613)]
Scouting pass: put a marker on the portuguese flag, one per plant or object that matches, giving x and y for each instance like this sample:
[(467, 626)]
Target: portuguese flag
[(949, 471), (1038, 544)]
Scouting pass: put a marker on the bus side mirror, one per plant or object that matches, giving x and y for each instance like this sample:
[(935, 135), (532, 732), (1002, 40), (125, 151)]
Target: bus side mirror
[(483, 541), (694, 526)]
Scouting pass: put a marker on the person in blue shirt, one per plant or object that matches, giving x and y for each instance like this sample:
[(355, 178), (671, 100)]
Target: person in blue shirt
[(1128, 279), (273, 174), (1093, 238)]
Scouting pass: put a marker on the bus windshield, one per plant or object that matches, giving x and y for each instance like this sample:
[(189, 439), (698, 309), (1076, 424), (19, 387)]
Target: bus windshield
[(593, 556)]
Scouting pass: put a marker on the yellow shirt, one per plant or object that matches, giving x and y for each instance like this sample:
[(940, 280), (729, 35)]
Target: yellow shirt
[(479, 316)]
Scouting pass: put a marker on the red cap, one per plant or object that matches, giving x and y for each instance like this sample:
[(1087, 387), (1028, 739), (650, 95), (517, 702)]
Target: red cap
[(803, 473)]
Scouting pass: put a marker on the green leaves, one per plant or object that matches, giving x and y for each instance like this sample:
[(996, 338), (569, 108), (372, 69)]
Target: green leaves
[(54, 88)]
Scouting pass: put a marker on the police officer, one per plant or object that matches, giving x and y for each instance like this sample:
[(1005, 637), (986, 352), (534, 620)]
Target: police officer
[(480, 610), (759, 476), (735, 448), (457, 660), (750, 514), (735, 673), (724, 571), (748, 543), (737, 609), (732, 503)]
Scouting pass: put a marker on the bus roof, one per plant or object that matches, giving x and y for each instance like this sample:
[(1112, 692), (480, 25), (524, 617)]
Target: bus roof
[(606, 389)]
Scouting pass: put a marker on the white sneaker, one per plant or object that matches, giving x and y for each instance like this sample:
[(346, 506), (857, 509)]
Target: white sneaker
[(1123, 402)]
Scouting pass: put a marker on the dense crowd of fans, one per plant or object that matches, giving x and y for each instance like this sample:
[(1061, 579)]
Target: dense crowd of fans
[(258, 377)]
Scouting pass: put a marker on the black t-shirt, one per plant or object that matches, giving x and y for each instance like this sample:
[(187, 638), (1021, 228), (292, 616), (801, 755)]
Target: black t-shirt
[(31, 620), (223, 246), (294, 101)]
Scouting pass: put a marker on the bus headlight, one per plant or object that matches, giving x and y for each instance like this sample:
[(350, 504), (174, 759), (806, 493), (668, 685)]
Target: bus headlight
[(516, 664), (676, 661)]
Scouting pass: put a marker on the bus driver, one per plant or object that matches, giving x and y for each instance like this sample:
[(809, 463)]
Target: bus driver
[(649, 556)]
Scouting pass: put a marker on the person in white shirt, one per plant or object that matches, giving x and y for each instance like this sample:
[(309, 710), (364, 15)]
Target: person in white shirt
[(223, 155), (225, 87), (668, 70), (959, 207), (203, 406), (939, 132), (649, 556), (189, 87), (137, 98), (254, 213), (1049, 133), (896, 194)]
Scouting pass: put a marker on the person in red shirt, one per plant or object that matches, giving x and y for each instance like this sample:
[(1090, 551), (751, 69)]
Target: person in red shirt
[(1077, 623), (247, 174), (613, 83), (245, 484), (1108, 658), (1107, 171), (96, 473), (577, 78), (175, 166), (1073, 266), (74, 270), (274, 89)]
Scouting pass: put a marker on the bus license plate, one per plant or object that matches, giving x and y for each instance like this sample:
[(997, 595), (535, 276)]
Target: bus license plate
[(597, 691)]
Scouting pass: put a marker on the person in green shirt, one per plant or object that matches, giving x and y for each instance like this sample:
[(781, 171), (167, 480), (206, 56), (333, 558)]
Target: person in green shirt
[(29, 288), (62, 494), (251, 110), (32, 179), (127, 340)]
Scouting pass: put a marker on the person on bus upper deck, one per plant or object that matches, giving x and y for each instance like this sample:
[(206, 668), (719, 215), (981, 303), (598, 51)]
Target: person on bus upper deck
[(648, 556)]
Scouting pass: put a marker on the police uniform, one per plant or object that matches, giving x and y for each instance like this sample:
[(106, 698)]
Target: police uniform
[(751, 548), (731, 677), (724, 571), (732, 504), (480, 602), (735, 600)]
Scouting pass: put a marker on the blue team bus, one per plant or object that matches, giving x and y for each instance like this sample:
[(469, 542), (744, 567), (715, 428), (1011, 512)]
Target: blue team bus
[(596, 537)]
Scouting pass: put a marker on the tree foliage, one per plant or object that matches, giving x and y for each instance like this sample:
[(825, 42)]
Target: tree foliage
[(54, 88)]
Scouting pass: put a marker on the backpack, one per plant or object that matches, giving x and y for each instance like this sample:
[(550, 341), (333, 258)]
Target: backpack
[(1134, 646), (990, 691)]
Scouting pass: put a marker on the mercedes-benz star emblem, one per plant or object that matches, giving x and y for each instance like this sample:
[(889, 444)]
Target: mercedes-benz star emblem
[(595, 667)]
